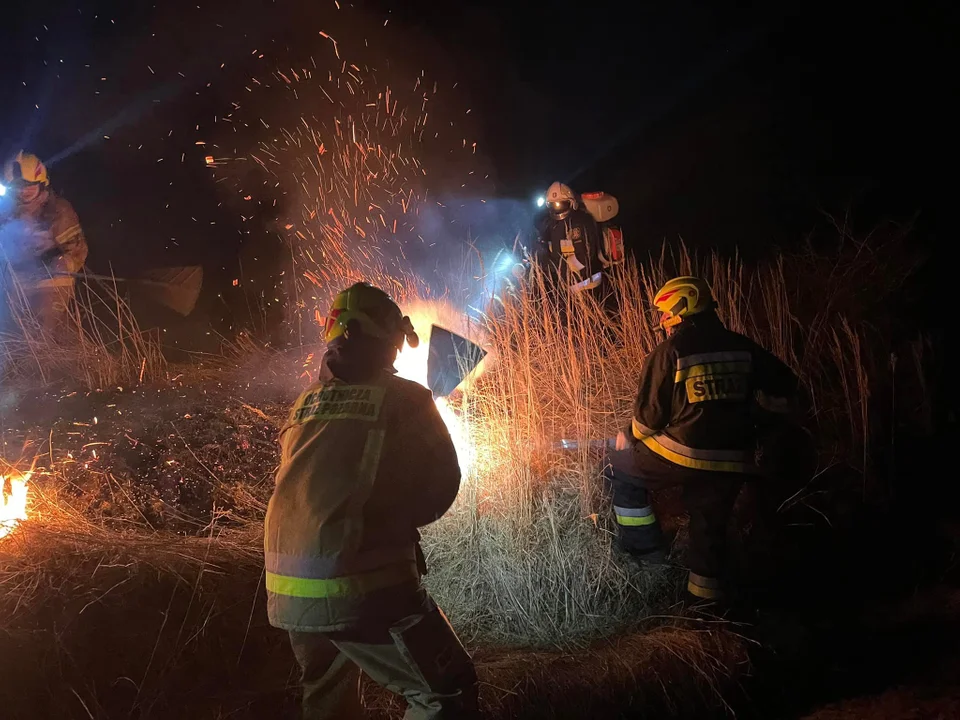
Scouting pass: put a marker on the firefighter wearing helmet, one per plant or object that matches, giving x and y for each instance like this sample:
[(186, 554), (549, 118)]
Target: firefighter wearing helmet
[(366, 461), (694, 424), (571, 240), (43, 244)]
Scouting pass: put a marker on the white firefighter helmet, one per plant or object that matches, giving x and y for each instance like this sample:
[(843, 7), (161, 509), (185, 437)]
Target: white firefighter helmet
[(560, 200), (601, 205)]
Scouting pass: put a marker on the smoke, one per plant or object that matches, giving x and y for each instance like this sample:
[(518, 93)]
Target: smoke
[(17, 242), (482, 238), (16, 252)]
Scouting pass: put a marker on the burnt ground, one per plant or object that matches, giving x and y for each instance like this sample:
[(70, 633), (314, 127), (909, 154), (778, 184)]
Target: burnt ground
[(859, 615), (173, 457)]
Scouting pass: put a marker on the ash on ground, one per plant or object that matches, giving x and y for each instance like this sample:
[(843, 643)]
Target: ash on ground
[(176, 457)]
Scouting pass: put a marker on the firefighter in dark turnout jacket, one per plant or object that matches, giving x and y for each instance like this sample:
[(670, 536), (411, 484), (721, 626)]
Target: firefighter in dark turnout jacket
[(570, 241), (694, 424), (366, 461)]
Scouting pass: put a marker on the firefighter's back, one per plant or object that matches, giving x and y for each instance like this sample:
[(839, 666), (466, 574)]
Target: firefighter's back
[(341, 512), (714, 385)]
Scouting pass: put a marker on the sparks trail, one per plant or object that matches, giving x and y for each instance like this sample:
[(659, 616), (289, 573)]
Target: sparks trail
[(347, 152)]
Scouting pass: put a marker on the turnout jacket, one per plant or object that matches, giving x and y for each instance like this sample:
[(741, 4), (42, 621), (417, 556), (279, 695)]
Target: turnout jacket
[(363, 465), (52, 242), (572, 246), (698, 392)]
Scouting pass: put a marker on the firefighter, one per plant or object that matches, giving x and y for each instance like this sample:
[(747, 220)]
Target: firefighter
[(47, 247), (694, 424), (366, 461), (570, 241)]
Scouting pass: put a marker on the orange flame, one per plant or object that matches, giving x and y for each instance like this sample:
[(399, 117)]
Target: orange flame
[(13, 501), (412, 365)]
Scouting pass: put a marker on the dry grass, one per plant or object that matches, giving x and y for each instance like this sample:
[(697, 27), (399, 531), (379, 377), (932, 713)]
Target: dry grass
[(100, 344), (97, 623), (526, 554), (678, 668), (100, 622)]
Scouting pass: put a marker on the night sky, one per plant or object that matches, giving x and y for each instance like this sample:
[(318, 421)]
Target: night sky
[(726, 128)]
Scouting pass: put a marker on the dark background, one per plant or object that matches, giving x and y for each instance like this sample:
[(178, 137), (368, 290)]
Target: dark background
[(725, 127)]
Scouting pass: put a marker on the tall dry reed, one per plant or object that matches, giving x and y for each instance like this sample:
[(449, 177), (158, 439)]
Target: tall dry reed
[(527, 553)]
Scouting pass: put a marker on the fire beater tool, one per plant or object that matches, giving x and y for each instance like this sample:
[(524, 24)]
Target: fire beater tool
[(450, 359)]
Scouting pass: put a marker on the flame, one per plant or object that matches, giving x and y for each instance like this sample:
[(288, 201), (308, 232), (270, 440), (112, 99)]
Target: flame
[(13, 501), (412, 365)]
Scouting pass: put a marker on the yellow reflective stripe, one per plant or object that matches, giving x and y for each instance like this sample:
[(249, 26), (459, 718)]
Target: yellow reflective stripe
[(640, 431), (714, 357), (349, 586), (704, 581), (719, 368), (697, 463), (703, 587), (68, 234), (687, 451), (359, 583), (635, 521), (702, 592)]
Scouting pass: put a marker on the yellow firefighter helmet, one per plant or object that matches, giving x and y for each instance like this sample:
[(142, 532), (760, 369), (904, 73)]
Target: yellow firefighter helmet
[(374, 312), (681, 298), (26, 169)]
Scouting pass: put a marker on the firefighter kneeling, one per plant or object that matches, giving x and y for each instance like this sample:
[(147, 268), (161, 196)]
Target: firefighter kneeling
[(694, 425), (366, 461)]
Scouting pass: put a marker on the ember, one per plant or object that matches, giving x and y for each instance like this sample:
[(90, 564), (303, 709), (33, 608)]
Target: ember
[(13, 501)]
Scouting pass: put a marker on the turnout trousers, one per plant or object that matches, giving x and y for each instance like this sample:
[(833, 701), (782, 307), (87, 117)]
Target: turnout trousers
[(708, 497), (418, 657), (50, 306)]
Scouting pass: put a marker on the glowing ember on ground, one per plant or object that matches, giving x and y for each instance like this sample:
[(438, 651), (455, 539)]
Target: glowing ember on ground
[(13, 501), (412, 365)]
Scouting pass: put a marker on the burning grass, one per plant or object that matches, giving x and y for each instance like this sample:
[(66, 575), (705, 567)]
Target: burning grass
[(13, 500)]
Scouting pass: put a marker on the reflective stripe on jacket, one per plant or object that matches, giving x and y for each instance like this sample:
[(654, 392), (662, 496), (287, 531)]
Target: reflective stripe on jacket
[(572, 247), (697, 395), (362, 467)]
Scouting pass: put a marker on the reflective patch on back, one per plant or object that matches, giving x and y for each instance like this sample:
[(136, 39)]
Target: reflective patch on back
[(715, 376), (731, 386), (340, 402)]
